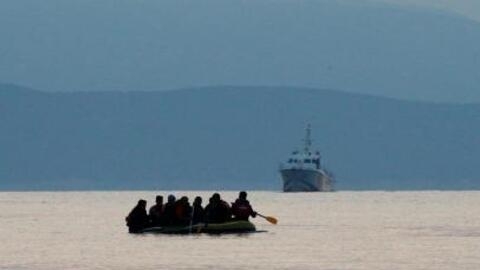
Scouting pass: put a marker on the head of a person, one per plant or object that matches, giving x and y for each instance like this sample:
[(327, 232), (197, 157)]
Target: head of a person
[(197, 201), (242, 195), (216, 197), (159, 199), (171, 198), (142, 203), (184, 199)]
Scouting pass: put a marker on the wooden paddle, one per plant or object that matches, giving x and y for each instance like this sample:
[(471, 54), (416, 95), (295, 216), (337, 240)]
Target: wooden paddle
[(269, 219)]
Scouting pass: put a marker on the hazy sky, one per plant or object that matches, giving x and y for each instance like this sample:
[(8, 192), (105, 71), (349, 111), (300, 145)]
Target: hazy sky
[(469, 8), (377, 47)]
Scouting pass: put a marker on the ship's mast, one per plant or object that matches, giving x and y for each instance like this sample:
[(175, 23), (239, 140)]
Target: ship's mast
[(308, 140)]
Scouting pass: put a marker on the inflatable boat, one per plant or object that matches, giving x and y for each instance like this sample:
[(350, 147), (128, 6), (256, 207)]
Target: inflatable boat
[(240, 226)]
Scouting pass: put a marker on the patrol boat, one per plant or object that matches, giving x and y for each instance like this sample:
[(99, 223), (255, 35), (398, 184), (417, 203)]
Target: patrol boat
[(303, 171)]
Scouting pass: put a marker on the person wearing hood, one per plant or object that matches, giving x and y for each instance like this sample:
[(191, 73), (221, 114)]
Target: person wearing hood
[(137, 219)]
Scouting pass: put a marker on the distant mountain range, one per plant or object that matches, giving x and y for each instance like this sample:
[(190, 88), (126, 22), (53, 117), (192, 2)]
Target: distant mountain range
[(230, 138), (353, 45)]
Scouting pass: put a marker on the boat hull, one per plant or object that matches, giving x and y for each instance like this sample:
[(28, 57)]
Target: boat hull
[(303, 180), (212, 228)]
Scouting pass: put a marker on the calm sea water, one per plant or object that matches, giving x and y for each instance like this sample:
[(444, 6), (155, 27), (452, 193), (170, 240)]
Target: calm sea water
[(341, 230)]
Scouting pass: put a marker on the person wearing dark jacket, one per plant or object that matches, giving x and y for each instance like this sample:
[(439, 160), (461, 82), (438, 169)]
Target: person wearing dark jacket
[(198, 212), (169, 211), (241, 208), (183, 211), (137, 219), (156, 212), (217, 211)]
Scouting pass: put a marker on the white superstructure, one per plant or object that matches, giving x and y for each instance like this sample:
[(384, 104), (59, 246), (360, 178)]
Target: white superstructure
[(303, 170)]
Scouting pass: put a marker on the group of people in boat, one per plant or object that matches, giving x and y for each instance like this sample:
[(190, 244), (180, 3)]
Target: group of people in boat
[(179, 212)]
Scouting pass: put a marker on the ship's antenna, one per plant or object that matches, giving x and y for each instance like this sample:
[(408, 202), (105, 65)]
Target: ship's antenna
[(308, 140)]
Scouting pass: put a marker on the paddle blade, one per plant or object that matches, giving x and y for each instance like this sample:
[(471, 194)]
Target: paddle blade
[(271, 220)]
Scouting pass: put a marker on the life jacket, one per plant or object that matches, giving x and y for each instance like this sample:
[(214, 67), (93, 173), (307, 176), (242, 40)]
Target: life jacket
[(241, 209), (182, 212)]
